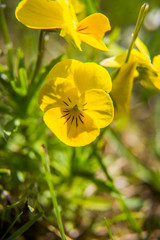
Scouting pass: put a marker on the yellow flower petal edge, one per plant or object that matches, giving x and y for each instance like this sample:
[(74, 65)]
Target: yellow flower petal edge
[(73, 115), (84, 76), (60, 14), (40, 14), (92, 29), (142, 47), (156, 63), (98, 103)]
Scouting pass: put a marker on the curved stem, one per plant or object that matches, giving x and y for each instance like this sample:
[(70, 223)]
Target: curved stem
[(46, 165), (39, 56)]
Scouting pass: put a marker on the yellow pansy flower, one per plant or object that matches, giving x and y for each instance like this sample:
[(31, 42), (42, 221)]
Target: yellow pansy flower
[(150, 75), (75, 101), (122, 81), (60, 14), (140, 67)]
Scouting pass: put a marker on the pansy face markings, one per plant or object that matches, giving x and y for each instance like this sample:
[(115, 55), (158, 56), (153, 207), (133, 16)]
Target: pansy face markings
[(75, 101), (72, 113)]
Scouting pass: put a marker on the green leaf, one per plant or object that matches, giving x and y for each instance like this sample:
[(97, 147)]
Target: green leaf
[(25, 227), (5, 171), (109, 232), (20, 59)]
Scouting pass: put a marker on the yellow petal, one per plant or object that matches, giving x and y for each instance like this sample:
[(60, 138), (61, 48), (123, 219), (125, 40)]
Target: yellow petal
[(156, 63), (114, 62), (150, 79), (92, 41), (71, 22), (156, 83), (152, 83), (85, 76), (68, 132), (40, 14), (118, 61), (122, 89), (92, 29), (99, 107), (79, 7), (56, 93), (142, 47)]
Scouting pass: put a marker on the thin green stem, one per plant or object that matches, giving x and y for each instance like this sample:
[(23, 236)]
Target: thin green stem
[(11, 226), (91, 6), (140, 19), (46, 165), (73, 162), (7, 41), (39, 58), (111, 184), (118, 195), (109, 231)]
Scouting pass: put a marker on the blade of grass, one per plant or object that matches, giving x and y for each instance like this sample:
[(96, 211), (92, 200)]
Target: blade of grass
[(25, 227), (46, 165), (109, 232), (110, 184), (118, 196), (11, 226), (142, 172)]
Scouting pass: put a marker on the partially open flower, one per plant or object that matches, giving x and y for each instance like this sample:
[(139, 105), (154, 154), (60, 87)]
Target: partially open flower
[(138, 67), (76, 102), (60, 14)]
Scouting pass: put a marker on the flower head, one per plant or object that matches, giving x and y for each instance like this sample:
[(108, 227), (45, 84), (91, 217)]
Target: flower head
[(60, 14), (149, 73), (75, 101), (138, 67)]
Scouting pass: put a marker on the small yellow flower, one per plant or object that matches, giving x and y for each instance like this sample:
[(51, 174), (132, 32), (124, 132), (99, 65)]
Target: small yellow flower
[(150, 75), (75, 101), (60, 14), (140, 67), (122, 81)]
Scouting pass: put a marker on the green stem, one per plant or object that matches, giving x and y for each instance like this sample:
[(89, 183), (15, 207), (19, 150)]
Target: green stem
[(118, 195), (91, 6), (73, 163), (46, 165), (111, 184), (7, 41), (40, 53), (144, 173), (141, 16), (109, 231)]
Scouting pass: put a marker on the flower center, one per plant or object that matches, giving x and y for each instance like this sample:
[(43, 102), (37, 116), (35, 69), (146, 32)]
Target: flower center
[(75, 108), (72, 113)]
